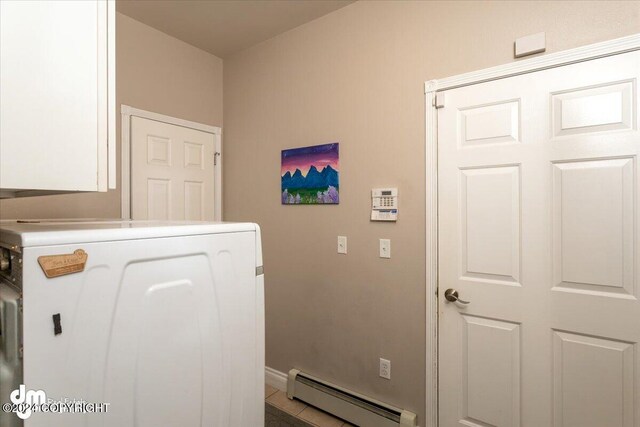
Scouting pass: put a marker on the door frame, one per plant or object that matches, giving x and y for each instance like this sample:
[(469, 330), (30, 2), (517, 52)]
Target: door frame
[(127, 113), (434, 98)]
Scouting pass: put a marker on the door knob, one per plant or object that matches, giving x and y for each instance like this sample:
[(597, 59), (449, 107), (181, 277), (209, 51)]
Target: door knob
[(452, 296)]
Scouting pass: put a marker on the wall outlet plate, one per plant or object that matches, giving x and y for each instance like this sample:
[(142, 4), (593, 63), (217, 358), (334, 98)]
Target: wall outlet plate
[(385, 368)]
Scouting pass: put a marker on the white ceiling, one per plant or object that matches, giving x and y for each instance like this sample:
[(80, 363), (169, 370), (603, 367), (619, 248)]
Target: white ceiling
[(224, 27)]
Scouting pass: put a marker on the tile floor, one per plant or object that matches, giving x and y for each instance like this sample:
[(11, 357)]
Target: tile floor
[(296, 412)]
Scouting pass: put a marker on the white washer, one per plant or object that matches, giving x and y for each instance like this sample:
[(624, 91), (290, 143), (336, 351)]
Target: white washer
[(164, 322)]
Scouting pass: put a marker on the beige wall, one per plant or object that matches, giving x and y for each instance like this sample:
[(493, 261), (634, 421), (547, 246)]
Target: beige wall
[(154, 72), (356, 76)]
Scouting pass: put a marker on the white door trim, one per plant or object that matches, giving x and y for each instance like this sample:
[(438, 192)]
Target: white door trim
[(557, 59), (431, 87), (127, 112)]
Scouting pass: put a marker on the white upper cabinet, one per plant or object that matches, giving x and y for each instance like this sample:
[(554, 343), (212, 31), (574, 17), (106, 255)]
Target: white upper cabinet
[(57, 97)]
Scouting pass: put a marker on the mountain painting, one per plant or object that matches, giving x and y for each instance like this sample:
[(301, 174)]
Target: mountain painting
[(309, 175)]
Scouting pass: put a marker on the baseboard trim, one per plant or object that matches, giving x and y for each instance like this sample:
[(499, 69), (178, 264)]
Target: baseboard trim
[(275, 378)]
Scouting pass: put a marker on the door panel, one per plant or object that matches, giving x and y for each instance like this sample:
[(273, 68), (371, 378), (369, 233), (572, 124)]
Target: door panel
[(490, 124), (593, 225), (596, 109), (158, 198), (490, 219), (593, 381), (193, 154), (491, 357), (172, 172), (193, 200), (158, 151), (538, 212)]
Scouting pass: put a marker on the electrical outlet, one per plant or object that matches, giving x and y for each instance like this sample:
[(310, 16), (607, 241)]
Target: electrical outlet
[(385, 368), (342, 244), (385, 248)]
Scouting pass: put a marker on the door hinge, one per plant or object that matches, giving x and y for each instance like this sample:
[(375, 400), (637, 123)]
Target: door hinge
[(215, 158), (438, 101)]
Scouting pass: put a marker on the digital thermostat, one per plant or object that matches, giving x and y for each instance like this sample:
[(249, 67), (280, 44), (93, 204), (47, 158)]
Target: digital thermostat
[(384, 204)]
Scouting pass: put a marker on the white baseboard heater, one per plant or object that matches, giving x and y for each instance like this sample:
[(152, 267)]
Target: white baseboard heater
[(348, 405)]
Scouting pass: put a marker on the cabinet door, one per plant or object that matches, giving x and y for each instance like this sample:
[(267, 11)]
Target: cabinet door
[(53, 96)]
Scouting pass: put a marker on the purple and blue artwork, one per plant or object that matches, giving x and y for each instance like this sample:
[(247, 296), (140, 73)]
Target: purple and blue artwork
[(309, 175)]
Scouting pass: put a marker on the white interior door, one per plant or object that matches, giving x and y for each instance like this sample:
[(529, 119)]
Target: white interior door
[(172, 172), (538, 230)]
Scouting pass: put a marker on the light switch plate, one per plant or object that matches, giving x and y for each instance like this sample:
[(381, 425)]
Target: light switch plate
[(385, 248), (342, 244)]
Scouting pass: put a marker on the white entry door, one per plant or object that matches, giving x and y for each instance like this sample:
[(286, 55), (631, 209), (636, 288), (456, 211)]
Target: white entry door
[(539, 195), (172, 172)]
